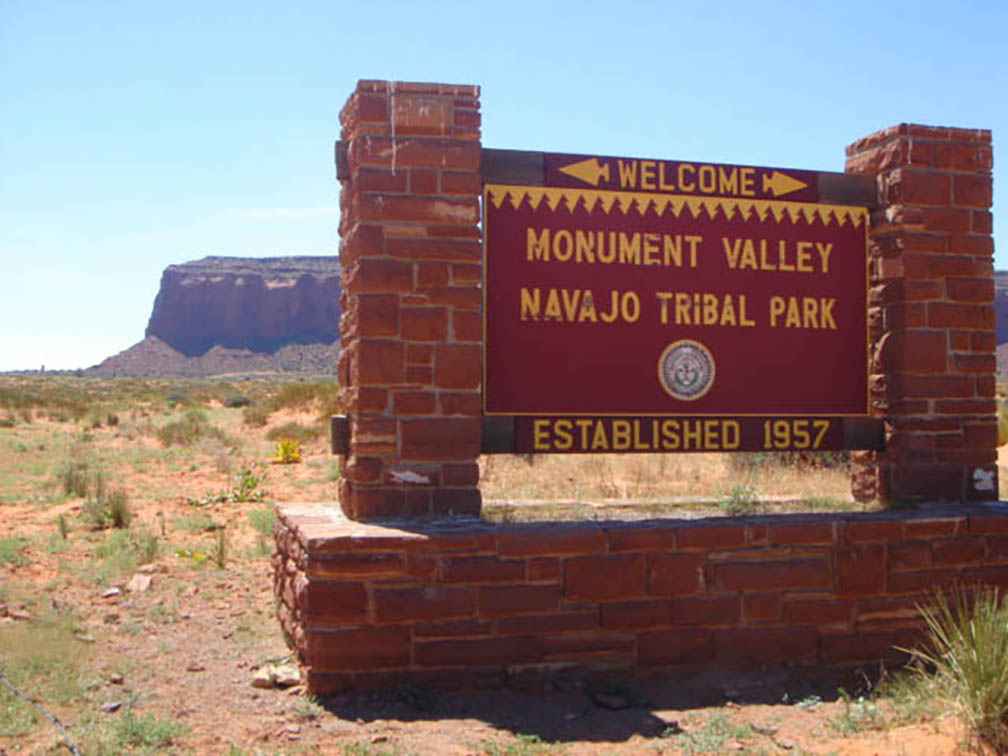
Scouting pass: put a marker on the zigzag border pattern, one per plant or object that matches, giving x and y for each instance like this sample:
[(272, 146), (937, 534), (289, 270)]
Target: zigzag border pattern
[(675, 204)]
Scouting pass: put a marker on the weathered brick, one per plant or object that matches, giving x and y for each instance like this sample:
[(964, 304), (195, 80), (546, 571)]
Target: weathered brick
[(761, 607), (794, 574), (710, 536), (500, 600), (635, 538), (429, 602), (675, 573), (705, 610), (753, 645), (378, 275), (457, 367), (859, 569), (801, 532), (482, 569), (467, 325), (817, 611), (674, 647), (595, 578), (440, 439), (595, 644), (377, 362), (541, 624), (576, 539), (909, 555), (424, 323), (460, 403), (959, 550), (362, 648), (456, 652), (636, 614), (972, 190)]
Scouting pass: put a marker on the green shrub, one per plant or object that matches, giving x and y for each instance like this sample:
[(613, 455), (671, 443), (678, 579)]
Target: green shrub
[(255, 416), (11, 548), (73, 476), (967, 649), (1002, 423), (188, 429), (234, 402)]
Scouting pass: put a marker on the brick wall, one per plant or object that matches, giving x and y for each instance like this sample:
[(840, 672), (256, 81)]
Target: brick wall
[(931, 314), (411, 324), (367, 605)]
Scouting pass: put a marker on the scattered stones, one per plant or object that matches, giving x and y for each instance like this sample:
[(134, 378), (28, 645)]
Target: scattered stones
[(3, 610), (286, 676), (150, 569), (184, 615), (111, 706), (84, 638), (19, 614), (111, 593), (138, 583), (276, 676), (195, 666), (111, 618), (115, 678)]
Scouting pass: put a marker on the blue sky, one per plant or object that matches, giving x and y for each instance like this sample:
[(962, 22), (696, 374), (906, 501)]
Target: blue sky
[(135, 135)]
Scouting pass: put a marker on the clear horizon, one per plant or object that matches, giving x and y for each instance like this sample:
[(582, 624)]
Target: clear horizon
[(137, 136)]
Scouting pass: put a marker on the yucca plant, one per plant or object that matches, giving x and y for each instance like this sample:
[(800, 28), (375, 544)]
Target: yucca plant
[(967, 649)]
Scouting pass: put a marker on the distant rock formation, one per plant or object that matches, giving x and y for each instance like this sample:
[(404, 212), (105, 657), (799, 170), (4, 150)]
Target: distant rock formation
[(239, 314), (259, 304), (1001, 305)]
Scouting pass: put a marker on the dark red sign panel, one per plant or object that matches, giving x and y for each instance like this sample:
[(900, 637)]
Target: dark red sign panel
[(654, 303)]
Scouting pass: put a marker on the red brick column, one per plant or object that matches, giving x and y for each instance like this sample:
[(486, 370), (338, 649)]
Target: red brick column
[(931, 315), (411, 326)]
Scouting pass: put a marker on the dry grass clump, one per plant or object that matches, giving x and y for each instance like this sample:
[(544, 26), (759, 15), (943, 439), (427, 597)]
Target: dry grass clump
[(965, 660)]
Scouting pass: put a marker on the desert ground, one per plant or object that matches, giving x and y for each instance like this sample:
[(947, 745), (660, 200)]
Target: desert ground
[(136, 610)]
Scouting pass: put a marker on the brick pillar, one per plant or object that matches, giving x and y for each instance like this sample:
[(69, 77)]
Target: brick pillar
[(931, 315), (411, 324)]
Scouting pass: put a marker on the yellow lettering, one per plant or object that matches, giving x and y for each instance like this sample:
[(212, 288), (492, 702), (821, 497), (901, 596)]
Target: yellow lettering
[(782, 262), (693, 241), (647, 174), (570, 302), (730, 434), (562, 431), (613, 309), (587, 312), (684, 185), (824, 249), (810, 312), (777, 305), (651, 249), (728, 312), (803, 256), (663, 301), (710, 309), (537, 247), (826, 313), (748, 256), (743, 319), (540, 434), (731, 251), (630, 306), (627, 173), (629, 248), (708, 179), (609, 253), (663, 185), (620, 435), (670, 435), (584, 246), (682, 303), (728, 180), (530, 304), (563, 245), (553, 306), (748, 182), (599, 441)]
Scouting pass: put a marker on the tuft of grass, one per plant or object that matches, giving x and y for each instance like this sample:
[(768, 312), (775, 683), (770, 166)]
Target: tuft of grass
[(106, 506), (11, 550), (73, 476), (294, 431), (967, 649), (859, 715), (222, 548), (188, 429), (146, 731), (262, 520), (121, 552), (237, 401)]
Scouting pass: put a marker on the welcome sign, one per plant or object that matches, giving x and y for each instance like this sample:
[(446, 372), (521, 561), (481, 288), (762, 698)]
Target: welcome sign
[(652, 290)]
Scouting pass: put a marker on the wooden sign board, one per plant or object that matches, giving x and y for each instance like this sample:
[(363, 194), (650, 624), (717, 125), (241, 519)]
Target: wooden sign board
[(647, 305)]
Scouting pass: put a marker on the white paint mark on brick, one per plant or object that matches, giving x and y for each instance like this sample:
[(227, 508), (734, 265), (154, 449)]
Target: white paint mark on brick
[(983, 480), (408, 476)]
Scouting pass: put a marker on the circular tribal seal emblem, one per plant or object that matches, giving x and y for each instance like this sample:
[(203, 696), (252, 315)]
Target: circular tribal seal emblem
[(686, 369)]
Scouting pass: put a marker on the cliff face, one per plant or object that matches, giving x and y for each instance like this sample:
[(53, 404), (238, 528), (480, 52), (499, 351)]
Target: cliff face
[(258, 304)]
